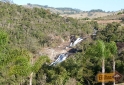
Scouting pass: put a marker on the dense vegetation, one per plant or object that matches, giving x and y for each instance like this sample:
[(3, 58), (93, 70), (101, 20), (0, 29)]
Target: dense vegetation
[(96, 10), (23, 31)]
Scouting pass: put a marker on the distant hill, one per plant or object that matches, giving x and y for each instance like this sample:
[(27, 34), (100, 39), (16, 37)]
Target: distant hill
[(72, 12), (64, 10)]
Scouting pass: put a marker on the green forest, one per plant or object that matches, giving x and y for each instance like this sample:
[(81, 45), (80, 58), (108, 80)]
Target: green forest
[(24, 31)]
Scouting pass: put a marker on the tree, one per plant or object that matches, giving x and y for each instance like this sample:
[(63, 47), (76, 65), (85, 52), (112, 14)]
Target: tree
[(113, 50), (3, 38), (110, 32), (37, 65), (3, 54), (14, 65), (100, 51)]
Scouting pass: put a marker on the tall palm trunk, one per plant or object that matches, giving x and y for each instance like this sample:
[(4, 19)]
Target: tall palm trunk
[(113, 67), (103, 69), (31, 76)]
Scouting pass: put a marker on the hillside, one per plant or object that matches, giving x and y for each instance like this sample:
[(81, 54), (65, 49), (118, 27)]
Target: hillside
[(32, 37)]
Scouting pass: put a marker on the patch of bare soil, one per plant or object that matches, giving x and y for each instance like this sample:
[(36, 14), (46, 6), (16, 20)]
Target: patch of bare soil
[(84, 15), (107, 21), (52, 53)]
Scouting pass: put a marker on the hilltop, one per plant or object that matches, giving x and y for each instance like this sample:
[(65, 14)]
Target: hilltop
[(75, 13)]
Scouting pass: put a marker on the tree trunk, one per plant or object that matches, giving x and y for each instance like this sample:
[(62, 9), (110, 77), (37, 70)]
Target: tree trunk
[(31, 76), (113, 67), (103, 69)]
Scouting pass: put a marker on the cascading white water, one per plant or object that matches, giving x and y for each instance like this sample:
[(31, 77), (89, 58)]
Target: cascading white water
[(61, 58)]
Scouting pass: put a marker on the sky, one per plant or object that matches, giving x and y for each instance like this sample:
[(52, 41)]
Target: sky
[(84, 5)]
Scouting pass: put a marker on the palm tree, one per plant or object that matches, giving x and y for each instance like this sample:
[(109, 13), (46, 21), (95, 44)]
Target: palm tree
[(103, 53), (99, 50), (113, 50)]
